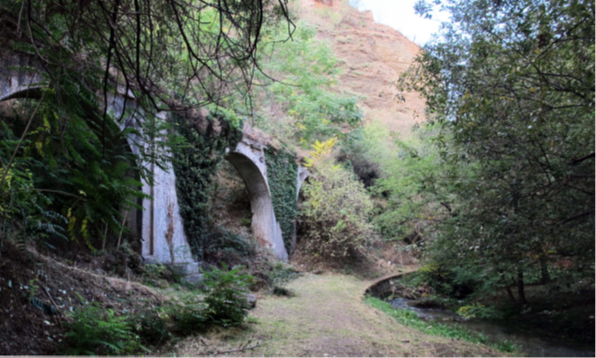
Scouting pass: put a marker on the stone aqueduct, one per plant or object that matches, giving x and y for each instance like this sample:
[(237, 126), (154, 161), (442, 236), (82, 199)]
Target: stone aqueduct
[(160, 217)]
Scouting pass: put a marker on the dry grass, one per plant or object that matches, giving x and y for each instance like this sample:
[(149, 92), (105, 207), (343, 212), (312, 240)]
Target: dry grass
[(326, 318)]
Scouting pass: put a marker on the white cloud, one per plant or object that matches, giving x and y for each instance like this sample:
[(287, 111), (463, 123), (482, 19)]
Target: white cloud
[(400, 15)]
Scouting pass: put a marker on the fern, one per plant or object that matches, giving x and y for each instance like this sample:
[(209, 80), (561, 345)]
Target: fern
[(95, 330)]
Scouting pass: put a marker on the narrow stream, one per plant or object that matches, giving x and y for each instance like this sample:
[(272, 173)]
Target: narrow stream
[(532, 344)]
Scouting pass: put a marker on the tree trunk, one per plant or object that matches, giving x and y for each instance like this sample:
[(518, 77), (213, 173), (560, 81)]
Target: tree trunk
[(544, 270), (520, 287), (510, 294)]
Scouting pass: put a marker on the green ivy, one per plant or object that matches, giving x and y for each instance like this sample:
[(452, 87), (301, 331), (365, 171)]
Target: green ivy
[(195, 167), (282, 174)]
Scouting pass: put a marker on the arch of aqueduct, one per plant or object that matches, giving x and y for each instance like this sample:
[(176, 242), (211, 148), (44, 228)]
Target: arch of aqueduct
[(160, 219)]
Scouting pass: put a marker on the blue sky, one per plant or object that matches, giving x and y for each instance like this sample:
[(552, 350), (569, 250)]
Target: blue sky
[(400, 15)]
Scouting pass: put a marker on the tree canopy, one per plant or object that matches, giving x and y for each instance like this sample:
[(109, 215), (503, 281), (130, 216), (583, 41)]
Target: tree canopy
[(511, 84), (158, 49)]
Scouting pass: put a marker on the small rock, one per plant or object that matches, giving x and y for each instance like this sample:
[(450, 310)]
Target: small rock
[(100, 271), (251, 300)]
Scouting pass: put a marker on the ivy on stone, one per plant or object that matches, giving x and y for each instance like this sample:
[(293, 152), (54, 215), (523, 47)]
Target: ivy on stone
[(282, 174), (195, 166)]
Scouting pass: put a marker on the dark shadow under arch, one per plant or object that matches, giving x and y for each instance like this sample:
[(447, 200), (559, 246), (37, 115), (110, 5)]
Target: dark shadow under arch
[(30, 93), (263, 220)]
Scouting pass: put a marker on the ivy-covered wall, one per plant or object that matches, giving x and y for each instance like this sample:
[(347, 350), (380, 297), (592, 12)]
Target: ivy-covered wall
[(195, 166), (282, 174)]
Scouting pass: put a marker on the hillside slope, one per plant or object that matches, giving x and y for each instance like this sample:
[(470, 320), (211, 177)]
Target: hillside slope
[(372, 56)]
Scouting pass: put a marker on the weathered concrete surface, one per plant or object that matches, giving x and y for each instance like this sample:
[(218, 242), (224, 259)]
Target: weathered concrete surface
[(162, 233), (302, 175), (15, 83)]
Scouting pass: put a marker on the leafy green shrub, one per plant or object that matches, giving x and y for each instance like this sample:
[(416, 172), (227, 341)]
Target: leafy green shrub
[(151, 325), (281, 273), (283, 291), (189, 314), (227, 247), (336, 213), (477, 310), (452, 282), (227, 305), (155, 271), (65, 180), (95, 330)]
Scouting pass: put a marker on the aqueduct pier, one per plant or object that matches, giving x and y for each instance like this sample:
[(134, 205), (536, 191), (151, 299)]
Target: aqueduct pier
[(159, 225)]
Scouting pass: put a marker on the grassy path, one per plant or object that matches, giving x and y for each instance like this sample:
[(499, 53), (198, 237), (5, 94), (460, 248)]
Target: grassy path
[(326, 318)]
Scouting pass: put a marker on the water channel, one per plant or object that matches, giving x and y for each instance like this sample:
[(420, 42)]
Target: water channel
[(532, 344)]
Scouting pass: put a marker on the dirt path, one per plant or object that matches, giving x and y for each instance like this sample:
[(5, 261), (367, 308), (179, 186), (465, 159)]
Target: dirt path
[(326, 318)]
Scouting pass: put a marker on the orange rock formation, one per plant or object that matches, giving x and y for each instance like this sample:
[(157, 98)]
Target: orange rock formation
[(374, 55)]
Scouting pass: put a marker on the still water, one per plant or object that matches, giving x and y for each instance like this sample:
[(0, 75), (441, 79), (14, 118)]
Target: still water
[(532, 345)]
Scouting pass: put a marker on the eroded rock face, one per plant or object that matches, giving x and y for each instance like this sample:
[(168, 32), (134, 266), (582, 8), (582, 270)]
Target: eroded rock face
[(327, 2), (372, 56)]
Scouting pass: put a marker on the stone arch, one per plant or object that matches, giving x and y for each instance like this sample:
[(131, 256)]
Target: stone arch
[(15, 83), (33, 91), (249, 161), (160, 224), (161, 232), (303, 174)]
